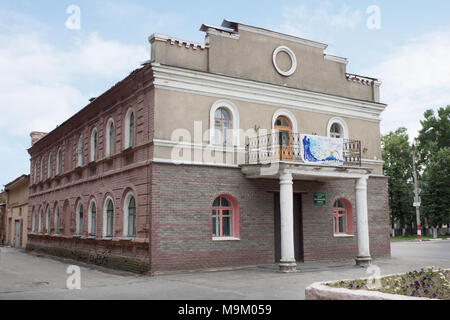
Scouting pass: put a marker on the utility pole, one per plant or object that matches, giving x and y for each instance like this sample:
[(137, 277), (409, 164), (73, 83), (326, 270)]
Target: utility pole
[(416, 192)]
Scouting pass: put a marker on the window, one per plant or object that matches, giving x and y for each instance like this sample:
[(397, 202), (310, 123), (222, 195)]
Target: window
[(94, 145), (224, 218), (129, 221), (33, 222), (224, 124), (336, 131), (56, 220), (47, 221), (80, 152), (49, 169), (129, 129), (223, 127), (337, 128), (342, 217), (58, 162), (42, 169), (109, 150), (108, 218), (79, 219), (35, 173), (92, 218), (41, 221)]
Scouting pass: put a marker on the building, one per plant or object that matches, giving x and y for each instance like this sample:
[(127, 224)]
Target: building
[(2, 217), (253, 148), (16, 218)]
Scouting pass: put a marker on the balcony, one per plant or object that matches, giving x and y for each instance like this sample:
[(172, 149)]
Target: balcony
[(306, 149)]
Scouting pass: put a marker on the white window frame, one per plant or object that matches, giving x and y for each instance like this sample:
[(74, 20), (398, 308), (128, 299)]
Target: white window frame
[(47, 220), (49, 166), (94, 145), (126, 214), (341, 123), (56, 220), (91, 203), (33, 222), (127, 142), (58, 162), (41, 221), (79, 223), (105, 217), (234, 112), (108, 144), (80, 152)]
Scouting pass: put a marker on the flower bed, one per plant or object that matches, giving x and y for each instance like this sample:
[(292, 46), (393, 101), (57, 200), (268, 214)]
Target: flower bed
[(427, 283)]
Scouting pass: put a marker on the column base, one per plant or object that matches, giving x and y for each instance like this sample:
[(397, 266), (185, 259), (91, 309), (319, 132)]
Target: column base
[(363, 261), (288, 266)]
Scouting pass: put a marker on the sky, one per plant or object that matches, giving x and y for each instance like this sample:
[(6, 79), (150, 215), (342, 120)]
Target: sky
[(55, 55)]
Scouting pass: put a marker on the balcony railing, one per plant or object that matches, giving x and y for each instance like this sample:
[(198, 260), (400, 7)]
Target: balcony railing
[(283, 146)]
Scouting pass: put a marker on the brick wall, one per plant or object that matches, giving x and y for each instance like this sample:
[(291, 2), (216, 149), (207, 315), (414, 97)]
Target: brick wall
[(181, 230)]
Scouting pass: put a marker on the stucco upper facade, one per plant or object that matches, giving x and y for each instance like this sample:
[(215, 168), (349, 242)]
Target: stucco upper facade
[(17, 211)]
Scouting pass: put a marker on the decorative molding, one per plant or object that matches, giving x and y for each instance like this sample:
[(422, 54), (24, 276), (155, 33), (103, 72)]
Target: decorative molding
[(163, 38), (292, 56), (193, 163), (335, 59), (362, 80), (289, 115), (234, 118), (184, 80), (343, 125)]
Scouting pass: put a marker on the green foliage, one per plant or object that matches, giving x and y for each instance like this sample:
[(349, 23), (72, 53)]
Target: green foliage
[(397, 155), (436, 188), (434, 135)]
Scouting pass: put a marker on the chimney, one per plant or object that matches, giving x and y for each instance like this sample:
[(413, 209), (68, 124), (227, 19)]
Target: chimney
[(36, 136)]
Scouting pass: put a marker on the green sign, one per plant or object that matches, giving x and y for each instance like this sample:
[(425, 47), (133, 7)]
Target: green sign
[(320, 199)]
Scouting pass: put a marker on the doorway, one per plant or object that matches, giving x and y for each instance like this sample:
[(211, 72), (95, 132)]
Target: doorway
[(283, 128), (18, 234), (298, 227)]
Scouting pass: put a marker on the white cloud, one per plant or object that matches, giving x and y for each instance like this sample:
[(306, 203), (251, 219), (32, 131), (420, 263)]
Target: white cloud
[(416, 77), (321, 24)]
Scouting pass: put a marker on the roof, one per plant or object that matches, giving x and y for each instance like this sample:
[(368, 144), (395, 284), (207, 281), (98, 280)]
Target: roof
[(14, 183)]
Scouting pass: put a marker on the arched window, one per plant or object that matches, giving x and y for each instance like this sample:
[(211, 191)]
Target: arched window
[(225, 218), (33, 221), (92, 222), (108, 218), (337, 128), (129, 219), (223, 127), (109, 149), (41, 221), (80, 152), (79, 219), (58, 162), (342, 217), (224, 124), (50, 169), (129, 129), (42, 169), (94, 145), (56, 222), (47, 221), (35, 172)]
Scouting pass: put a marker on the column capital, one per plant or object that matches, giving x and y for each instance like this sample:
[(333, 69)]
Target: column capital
[(361, 183), (286, 177)]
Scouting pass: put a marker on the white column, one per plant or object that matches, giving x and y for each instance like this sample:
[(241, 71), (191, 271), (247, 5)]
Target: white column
[(287, 262), (362, 222)]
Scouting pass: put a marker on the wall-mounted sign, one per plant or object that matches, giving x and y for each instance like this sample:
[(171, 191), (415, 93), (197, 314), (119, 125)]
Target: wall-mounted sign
[(320, 198)]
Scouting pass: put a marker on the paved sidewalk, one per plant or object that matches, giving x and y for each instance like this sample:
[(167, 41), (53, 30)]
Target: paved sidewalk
[(26, 276)]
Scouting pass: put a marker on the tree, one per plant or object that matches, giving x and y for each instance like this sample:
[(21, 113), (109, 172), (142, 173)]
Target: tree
[(434, 135), (436, 189), (398, 166)]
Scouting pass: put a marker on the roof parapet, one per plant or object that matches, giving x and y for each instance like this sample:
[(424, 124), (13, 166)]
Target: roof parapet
[(189, 45)]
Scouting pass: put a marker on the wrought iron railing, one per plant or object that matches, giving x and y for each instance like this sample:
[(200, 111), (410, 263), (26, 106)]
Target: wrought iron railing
[(267, 149)]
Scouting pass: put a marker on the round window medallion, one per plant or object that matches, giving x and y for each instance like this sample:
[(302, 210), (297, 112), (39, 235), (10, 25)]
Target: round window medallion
[(293, 61)]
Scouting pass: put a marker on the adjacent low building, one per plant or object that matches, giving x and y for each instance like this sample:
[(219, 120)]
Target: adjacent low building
[(16, 218), (254, 147)]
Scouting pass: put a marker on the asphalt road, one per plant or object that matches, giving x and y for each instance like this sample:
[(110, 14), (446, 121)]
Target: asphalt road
[(26, 276)]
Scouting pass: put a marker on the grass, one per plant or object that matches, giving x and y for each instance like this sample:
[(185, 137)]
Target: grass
[(427, 283), (412, 238)]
